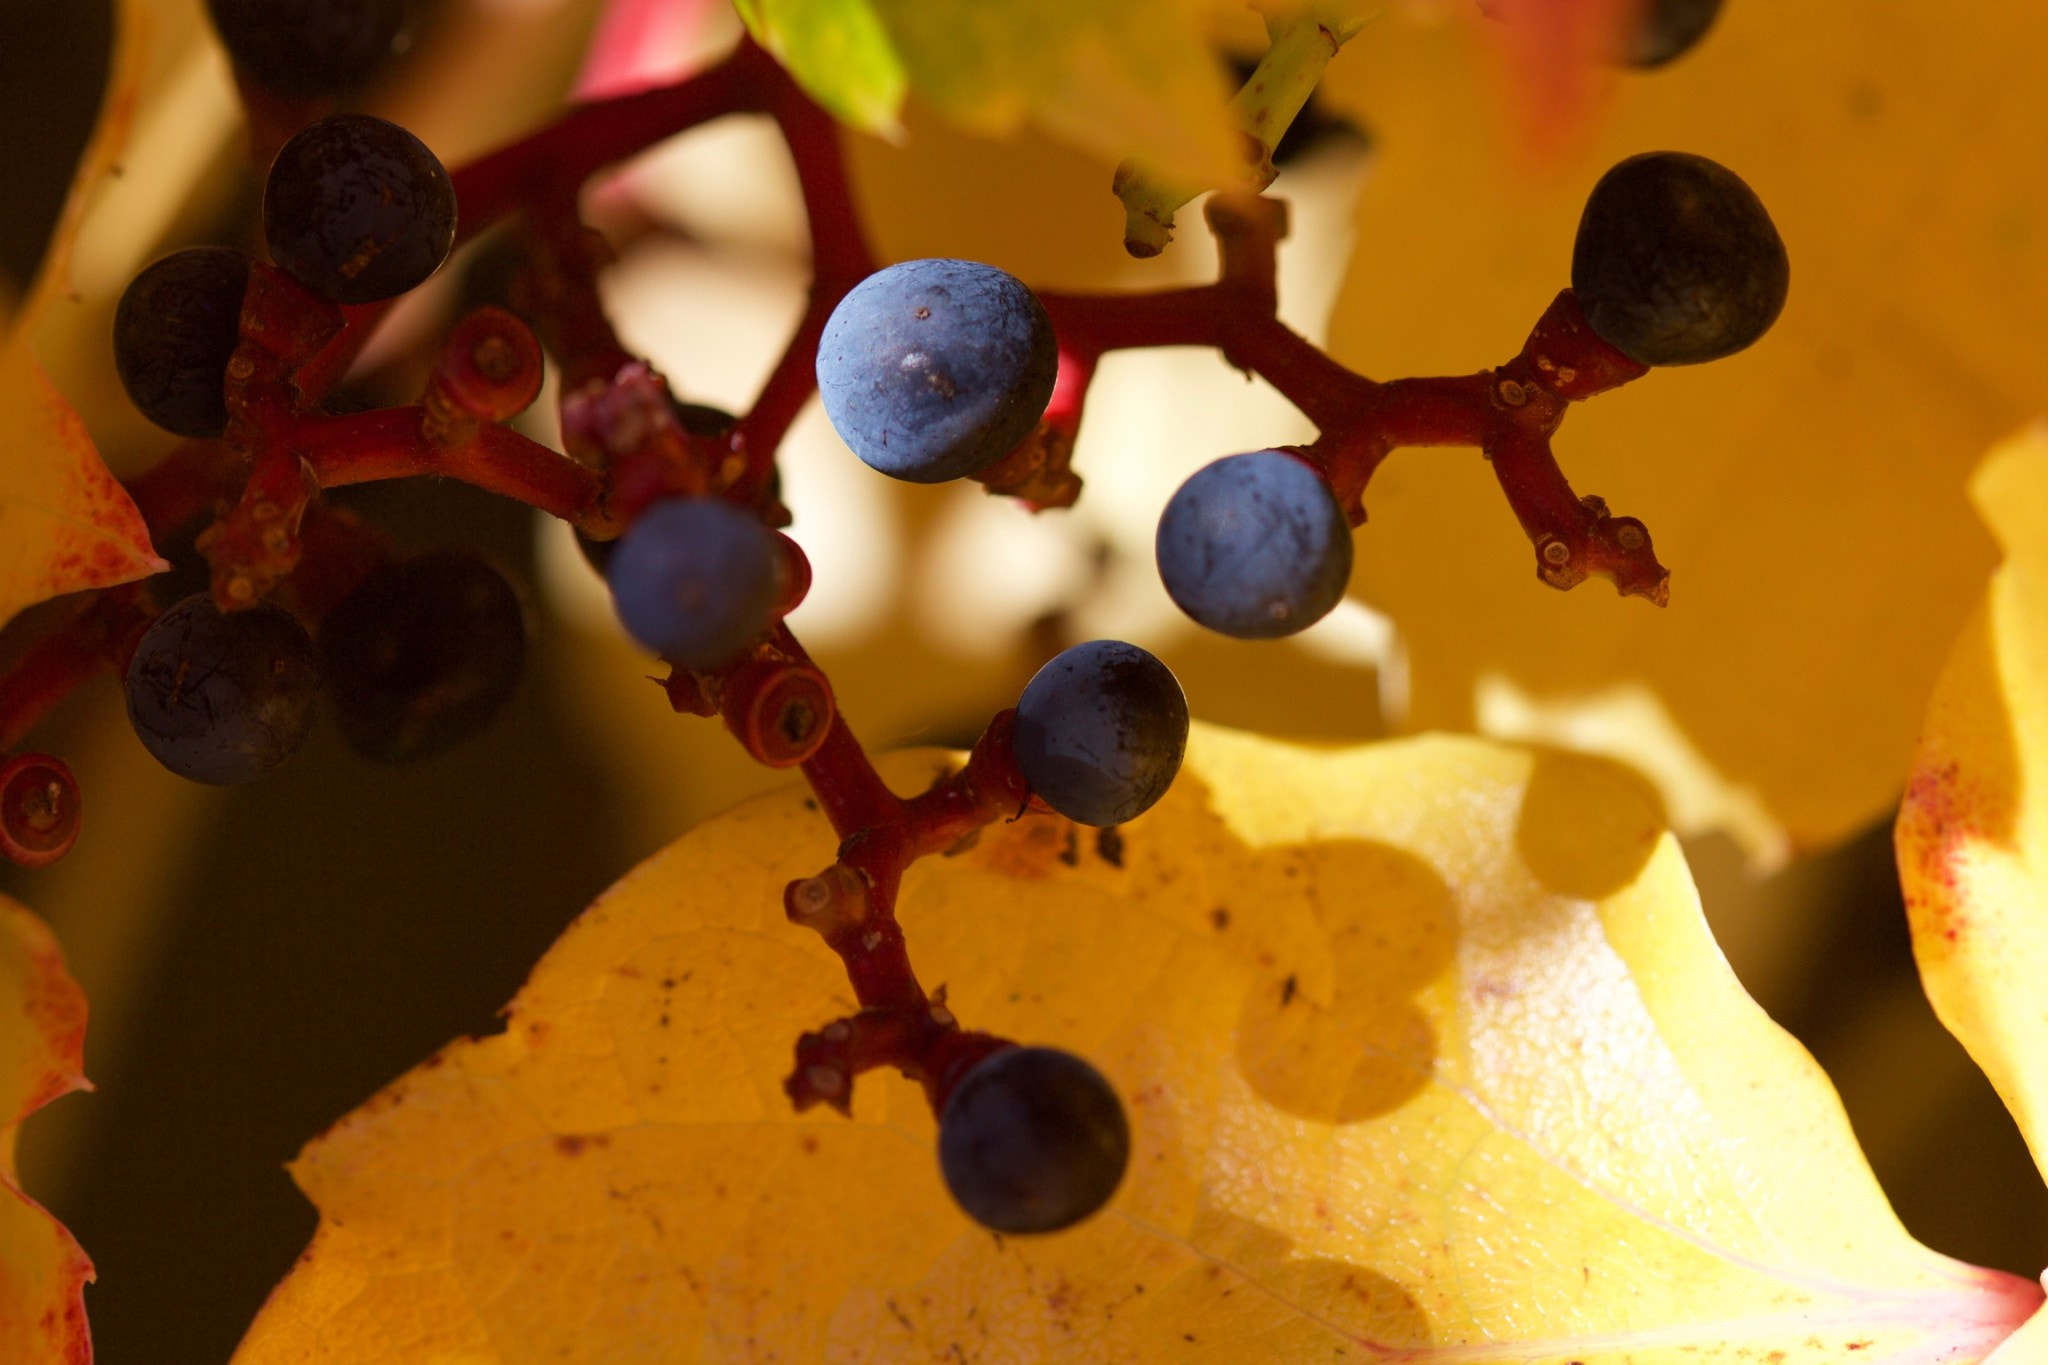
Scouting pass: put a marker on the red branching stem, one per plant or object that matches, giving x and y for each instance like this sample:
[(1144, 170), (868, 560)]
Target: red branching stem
[(1437, 411), (852, 905), (563, 287), (840, 255), (1510, 413), (392, 443), (317, 377), (1230, 319), (628, 446), (790, 385), (257, 543), (551, 165), (926, 1045), (848, 788), (592, 136), (840, 259)]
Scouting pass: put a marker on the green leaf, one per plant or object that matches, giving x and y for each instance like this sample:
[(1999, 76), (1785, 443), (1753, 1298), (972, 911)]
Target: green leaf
[(1129, 79), (838, 51)]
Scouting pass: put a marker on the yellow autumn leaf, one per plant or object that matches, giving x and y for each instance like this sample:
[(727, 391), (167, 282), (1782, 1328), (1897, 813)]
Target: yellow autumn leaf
[(1804, 493), (42, 1038), (65, 523), (1973, 831), (1427, 1054)]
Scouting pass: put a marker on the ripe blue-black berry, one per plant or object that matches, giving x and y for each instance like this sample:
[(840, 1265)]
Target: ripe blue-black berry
[(1676, 260), (222, 698), (695, 580), (1033, 1139), (175, 330), (1100, 732), (307, 48), (357, 209), (422, 654), (1255, 546), (935, 369)]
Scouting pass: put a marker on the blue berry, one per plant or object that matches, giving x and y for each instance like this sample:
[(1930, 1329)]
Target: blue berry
[(357, 209), (1676, 260), (1033, 1139), (695, 580), (1100, 732), (175, 330), (933, 370), (1255, 546), (222, 698)]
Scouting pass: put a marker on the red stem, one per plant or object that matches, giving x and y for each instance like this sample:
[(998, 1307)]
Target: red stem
[(390, 443), (295, 348), (852, 793), (840, 255), (590, 137), (790, 385), (552, 164)]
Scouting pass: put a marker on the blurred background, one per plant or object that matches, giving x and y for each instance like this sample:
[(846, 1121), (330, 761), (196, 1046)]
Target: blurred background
[(260, 960)]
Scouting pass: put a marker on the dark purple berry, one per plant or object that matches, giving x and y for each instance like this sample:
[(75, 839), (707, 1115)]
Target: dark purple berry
[(422, 654), (175, 330), (1033, 1139), (309, 48), (1677, 261), (357, 209), (1100, 732), (222, 698)]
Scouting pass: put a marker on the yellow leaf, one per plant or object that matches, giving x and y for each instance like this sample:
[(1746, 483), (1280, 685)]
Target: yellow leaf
[(1425, 1046), (1803, 493), (1973, 831), (65, 523), (42, 1037)]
